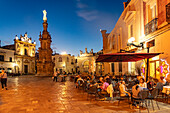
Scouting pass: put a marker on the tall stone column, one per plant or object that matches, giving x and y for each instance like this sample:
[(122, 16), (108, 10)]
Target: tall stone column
[(45, 66)]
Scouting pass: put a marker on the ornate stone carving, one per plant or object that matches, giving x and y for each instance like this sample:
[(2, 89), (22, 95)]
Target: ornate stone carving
[(45, 66)]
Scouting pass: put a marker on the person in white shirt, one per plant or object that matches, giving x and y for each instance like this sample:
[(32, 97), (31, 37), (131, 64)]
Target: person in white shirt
[(142, 83), (122, 89), (3, 76)]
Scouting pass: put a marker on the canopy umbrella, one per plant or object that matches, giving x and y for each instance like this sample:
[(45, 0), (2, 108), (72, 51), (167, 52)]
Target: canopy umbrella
[(125, 57)]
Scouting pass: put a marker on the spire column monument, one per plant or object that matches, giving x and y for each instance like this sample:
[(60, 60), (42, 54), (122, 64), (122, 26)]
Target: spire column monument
[(45, 66)]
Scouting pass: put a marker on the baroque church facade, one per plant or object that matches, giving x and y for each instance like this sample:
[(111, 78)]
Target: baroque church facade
[(24, 55)]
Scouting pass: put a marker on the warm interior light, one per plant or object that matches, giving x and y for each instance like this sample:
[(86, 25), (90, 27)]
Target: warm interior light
[(15, 64), (130, 40)]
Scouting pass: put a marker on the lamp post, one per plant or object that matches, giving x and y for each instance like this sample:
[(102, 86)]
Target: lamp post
[(147, 71)]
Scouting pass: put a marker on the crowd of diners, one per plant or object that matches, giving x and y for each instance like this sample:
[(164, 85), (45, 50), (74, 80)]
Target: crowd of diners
[(109, 85)]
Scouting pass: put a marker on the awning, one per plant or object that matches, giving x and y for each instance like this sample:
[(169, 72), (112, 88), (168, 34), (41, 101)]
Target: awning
[(125, 57)]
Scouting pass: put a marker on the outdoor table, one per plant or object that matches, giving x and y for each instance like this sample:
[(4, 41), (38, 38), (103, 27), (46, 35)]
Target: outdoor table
[(166, 89)]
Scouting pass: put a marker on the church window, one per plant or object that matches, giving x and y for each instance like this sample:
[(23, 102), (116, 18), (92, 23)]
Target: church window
[(59, 59), (26, 52), (10, 59), (67, 59), (1, 57)]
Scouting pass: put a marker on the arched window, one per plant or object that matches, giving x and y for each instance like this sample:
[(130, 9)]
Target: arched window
[(59, 59), (67, 59), (54, 59), (86, 66), (26, 52), (76, 61)]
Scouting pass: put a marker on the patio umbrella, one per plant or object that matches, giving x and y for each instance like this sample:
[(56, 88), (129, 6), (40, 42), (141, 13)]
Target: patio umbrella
[(125, 57)]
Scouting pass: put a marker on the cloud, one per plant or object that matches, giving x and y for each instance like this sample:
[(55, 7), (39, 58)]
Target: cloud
[(84, 11), (6, 42), (81, 5), (87, 15)]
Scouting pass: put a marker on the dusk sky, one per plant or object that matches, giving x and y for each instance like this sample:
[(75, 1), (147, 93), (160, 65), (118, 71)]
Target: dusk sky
[(73, 24)]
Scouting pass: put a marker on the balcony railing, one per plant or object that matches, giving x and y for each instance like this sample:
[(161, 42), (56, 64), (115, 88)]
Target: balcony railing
[(151, 26), (168, 13)]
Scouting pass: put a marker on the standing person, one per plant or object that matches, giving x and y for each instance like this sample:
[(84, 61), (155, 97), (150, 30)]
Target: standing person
[(65, 75), (55, 76), (3, 76)]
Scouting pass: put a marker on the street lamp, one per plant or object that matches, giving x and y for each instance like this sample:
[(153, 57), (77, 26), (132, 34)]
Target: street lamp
[(131, 40)]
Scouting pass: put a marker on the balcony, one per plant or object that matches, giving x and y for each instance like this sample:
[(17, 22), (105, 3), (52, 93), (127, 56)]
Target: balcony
[(168, 13), (151, 26)]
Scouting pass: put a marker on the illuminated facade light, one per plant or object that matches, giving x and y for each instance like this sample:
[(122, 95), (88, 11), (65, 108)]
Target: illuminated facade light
[(16, 37), (130, 40), (63, 53)]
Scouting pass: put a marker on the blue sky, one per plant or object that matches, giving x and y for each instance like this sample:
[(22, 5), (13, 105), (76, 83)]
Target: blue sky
[(73, 24)]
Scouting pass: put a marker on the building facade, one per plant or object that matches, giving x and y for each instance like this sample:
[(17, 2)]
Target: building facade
[(147, 23), (64, 62), (24, 54), (86, 62), (7, 60), (83, 63)]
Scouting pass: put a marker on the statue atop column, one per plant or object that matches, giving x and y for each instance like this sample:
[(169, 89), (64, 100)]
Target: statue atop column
[(45, 66), (45, 15)]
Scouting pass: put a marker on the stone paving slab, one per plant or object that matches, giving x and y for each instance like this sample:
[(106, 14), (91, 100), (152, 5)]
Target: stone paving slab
[(29, 94)]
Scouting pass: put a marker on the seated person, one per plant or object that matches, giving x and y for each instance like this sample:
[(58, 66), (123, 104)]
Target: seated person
[(122, 89), (110, 88), (105, 85), (121, 79), (104, 88), (159, 84), (142, 83), (136, 89), (150, 84), (113, 81), (78, 83), (100, 80)]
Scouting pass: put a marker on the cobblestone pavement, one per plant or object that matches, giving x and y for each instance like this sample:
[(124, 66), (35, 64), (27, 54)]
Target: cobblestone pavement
[(29, 94)]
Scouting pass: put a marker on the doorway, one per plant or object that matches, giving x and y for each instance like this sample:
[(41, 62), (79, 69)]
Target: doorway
[(26, 69), (153, 65)]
